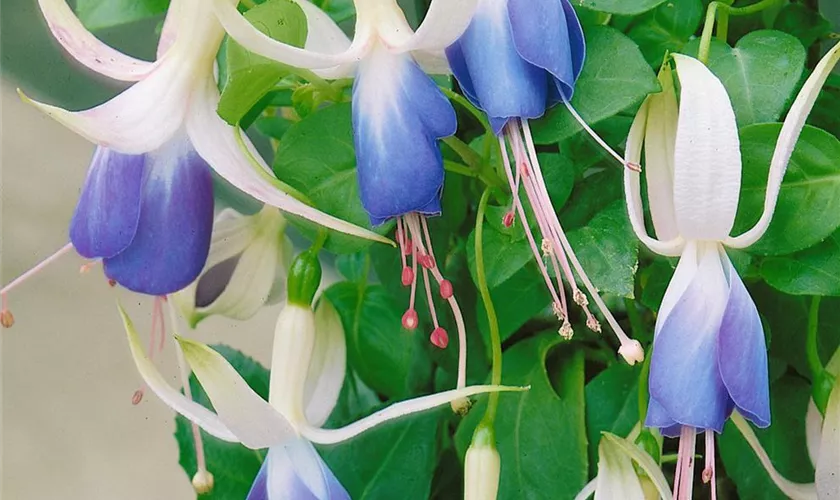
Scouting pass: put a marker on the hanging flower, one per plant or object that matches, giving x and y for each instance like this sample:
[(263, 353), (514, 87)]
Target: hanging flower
[(307, 371), (172, 107), (516, 59), (246, 268), (709, 353), (399, 116), (617, 476)]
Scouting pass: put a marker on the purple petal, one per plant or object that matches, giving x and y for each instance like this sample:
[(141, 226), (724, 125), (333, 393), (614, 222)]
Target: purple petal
[(108, 210), (399, 115), (742, 354), (176, 220), (281, 476), (486, 62), (684, 375), (548, 35)]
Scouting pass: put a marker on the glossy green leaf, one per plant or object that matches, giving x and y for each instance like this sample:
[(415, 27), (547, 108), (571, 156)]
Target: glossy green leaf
[(784, 441), (233, 466), (541, 433), (99, 14), (249, 76), (388, 358), (615, 77), (802, 22), (506, 250), (316, 157), (612, 405), (667, 28), (623, 7), (590, 196), (811, 186), (760, 74), (815, 271), (608, 250)]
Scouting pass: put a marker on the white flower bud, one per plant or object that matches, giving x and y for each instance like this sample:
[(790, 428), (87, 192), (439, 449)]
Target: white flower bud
[(482, 467)]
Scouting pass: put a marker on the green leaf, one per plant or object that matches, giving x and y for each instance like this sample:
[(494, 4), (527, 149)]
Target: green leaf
[(592, 195), (233, 466), (811, 186), (506, 250), (397, 456), (388, 358), (667, 29), (760, 74), (99, 14), (615, 77), (559, 177), (612, 405), (249, 76), (784, 441), (317, 158), (516, 301), (802, 22), (654, 280), (541, 433), (608, 250), (623, 7), (815, 271)]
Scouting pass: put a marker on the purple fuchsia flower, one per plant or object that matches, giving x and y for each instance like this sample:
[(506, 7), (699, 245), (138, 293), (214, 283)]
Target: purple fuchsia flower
[(156, 140), (399, 116), (709, 356), (516, 59)]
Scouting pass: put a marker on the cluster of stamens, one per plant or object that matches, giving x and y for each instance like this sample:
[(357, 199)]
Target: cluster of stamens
[(554, 255), (157, 340), (684, 477), (416, 246)]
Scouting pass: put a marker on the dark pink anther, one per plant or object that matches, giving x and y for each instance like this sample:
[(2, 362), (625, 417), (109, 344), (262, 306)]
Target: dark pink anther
[(508, 219), (439, 338), (409, 319), (426, 261), (137, 397), (407, 247), (407, 276), (112, 283), (446, 290)]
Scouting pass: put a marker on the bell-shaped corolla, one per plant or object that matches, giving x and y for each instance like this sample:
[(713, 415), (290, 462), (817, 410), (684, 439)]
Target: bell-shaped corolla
[(709, 354)]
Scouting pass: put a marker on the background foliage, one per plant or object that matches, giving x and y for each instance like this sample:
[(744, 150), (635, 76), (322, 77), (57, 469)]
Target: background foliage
[(548, 436)]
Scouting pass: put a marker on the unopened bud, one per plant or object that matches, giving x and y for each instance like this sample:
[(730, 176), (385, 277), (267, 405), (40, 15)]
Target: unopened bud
[(446, 290), (439, 338), (202, 482), (632, 352), (409, 319), (482, 466), (7, 319)]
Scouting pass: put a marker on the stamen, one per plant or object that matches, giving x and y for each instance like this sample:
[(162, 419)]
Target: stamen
[(7, 319), (137, 397), (630, 349), (439, 338), (508, 219), (632, 166), (407, 276), (709, 471), (684, 479), (566, 331), (431, 253), (202, 480), (87, 266), (409, 319), (446, 290)]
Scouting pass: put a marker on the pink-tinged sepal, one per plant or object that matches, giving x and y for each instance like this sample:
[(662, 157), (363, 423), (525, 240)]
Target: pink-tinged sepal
[(108, 211)]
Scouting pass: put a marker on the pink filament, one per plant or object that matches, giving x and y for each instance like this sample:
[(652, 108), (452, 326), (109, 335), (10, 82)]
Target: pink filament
[(684, 478)]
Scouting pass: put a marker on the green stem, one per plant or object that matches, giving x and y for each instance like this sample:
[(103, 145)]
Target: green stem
[(464, 103), (459, 168), (492, 320), (334, 94), (470, 157), (723, 22), (811, 351), (643, 387)]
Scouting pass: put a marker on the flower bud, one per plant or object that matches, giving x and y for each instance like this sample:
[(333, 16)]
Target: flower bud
[(246, 267), (482, 466), (304, 278)]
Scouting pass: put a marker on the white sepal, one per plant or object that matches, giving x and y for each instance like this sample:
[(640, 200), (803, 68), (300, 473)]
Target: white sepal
[(660, 140), (707, 155), (294, 341), (327, 366), (249, 417), (792, 127), (89, 50), (193, 411)]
